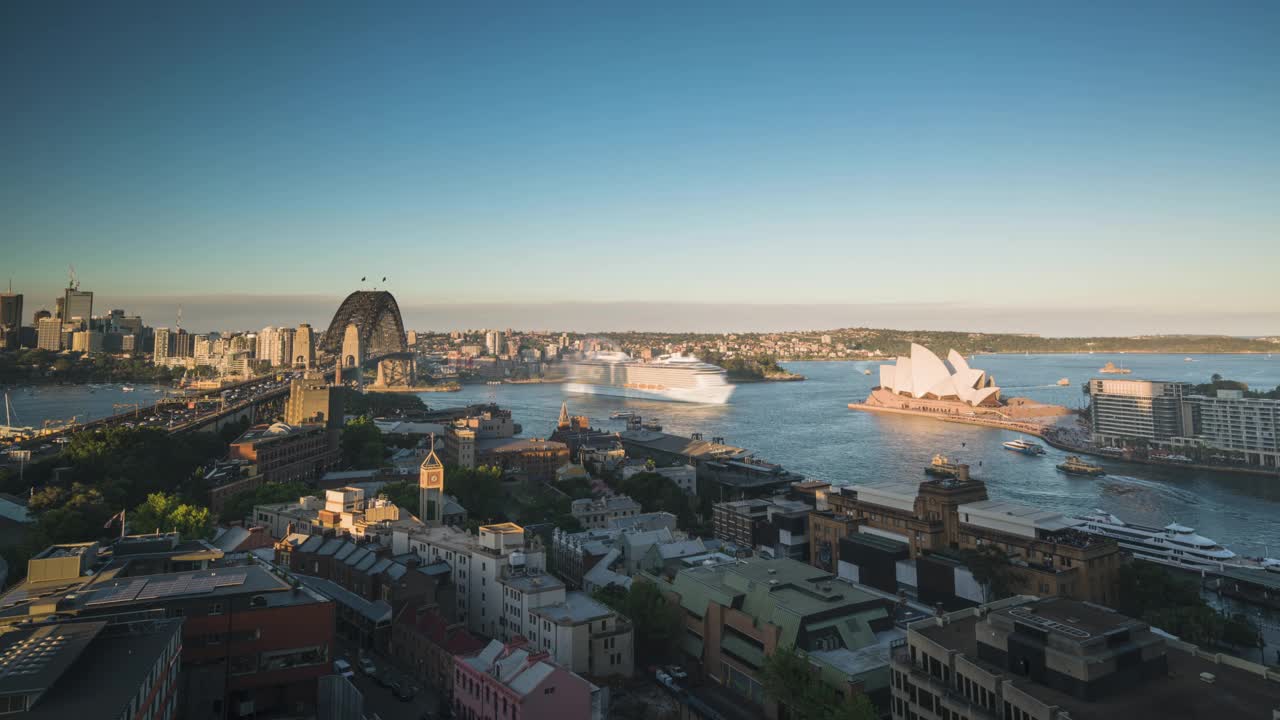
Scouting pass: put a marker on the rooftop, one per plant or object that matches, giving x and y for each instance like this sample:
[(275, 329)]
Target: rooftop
[(506, 445), (1234, 693), (104, 665), (578, 607), (533, 583)]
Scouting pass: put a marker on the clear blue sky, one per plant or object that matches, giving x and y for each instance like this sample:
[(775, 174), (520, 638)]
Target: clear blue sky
[(1008, 156)]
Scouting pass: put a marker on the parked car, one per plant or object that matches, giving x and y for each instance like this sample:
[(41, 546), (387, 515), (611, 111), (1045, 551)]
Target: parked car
[(343, 668), (367, 667), (677, 673)]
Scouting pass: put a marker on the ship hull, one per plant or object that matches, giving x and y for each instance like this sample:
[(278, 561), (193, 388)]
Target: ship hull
[(718, 395)]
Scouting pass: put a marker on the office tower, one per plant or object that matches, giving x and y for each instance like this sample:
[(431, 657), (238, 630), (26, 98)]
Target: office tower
[(284, 347), (41, 314), (57, 307), (183, 344), (10, 320), (267, 344), (77, 306), (49, 334), (304, 347), (163, 343)]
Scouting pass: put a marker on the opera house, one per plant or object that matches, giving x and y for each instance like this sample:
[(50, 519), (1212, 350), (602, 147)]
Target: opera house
[(924, 376)]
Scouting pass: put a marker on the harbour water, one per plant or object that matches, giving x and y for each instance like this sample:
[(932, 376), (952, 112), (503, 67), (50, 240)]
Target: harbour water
[(34, 404), (807, 427)]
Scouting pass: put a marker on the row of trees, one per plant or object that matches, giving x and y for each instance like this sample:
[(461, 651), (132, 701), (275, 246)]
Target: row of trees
[(1171, 603), (33, 365)]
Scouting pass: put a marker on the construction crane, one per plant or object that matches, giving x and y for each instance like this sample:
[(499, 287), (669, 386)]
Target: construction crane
[(73, 282)]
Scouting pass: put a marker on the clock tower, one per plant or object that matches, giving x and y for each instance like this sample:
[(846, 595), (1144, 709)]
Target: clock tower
[(431, 487)]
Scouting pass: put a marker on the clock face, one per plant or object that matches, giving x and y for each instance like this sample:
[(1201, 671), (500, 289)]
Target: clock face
[(432, 480)]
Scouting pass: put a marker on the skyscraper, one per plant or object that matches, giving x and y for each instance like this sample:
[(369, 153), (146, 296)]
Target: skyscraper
[(183, 344), (161, 353), (268, 345), (284, 347), (77, 306), (10, 319)]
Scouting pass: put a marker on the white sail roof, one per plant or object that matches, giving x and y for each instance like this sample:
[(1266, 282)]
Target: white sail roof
[(923, 375)]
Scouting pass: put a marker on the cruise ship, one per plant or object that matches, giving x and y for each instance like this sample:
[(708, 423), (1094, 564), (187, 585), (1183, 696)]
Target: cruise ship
[(1175, 545), (673, 378)]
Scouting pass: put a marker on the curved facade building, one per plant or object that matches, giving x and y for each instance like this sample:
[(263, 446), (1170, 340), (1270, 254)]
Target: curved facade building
[(924, 375)]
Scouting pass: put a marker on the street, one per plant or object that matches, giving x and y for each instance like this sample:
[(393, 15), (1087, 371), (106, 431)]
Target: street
[(382, 700)]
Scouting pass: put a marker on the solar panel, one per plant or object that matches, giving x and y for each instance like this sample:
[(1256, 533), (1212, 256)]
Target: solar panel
[(1047, 624), (165, 588), (119, 592)]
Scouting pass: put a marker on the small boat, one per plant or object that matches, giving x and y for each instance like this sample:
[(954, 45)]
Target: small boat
[(1074, 465), (1111, 369), (1064, 382), (1023, 446), (655, 427), (866, 372), (943, 467), (1188, 359), (126, 388)]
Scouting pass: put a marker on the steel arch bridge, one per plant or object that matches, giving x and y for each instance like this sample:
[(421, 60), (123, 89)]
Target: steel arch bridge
[(377, 318)]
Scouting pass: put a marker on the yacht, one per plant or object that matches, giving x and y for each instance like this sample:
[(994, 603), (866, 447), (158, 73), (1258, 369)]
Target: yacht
[(1023, 446), (1174, 545)]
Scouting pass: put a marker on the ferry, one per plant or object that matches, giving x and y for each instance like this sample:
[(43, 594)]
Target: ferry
[(1074, 465), (1064, 382), (942, 467), (672, 378), (1174, 545), (1023, 446), (1111, 369)]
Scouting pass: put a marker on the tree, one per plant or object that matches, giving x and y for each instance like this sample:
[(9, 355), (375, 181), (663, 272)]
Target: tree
[(658, 622), (789, 679), (657, 493), (991, 569), (403, 493), (241, 504), (163, 513), (479, 490), (362, 445)]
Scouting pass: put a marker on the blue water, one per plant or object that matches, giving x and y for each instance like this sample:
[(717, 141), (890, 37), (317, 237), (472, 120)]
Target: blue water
[(807, 427), (34, 404)]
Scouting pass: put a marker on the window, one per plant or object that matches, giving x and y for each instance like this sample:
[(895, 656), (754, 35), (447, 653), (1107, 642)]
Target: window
[(215, 608), (549, 691)]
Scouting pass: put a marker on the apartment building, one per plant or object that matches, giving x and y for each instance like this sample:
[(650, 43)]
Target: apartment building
[(1232, 427), (1123, 411), (599, 513), (774, 526), (513, 682), (1057, 659), (737, 613)]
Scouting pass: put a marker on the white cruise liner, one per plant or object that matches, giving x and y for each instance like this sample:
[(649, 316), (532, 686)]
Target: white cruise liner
[(675, 378), (1175, 545)]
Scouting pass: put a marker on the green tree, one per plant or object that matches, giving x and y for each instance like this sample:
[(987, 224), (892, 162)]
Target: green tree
[(162, 512), (658, 622), (403, 493), (362, 445), (241, 504), (991, 570), (479, 490), (789, 679), (657, 493)]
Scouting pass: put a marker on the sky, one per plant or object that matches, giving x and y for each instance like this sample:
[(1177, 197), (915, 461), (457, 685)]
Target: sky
[(1075, 168)]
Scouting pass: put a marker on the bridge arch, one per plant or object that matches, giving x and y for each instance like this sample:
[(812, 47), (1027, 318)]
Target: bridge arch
[(376, 316)]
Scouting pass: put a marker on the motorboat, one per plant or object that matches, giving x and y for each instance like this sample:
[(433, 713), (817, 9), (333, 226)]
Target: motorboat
[(1025, 447)]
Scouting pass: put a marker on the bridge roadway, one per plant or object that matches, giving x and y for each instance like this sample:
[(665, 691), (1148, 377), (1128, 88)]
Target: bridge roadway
[(174, 415)]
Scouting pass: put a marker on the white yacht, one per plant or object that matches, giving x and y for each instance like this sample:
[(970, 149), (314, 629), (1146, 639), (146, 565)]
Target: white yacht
[(678, 378), (1174, 545)]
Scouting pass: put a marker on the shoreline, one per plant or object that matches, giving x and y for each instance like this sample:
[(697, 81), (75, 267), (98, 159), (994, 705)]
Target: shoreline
[(889, 358), (1043, 433)]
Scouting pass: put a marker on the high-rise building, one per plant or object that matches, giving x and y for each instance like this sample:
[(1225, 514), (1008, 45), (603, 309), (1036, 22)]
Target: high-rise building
[(86, 341), (267, 345), (57, 307), (49, 334), (183, 344), (163, 346), (10, 320), (1234, 426), (495, 342), (283, 347), (77, 306)]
